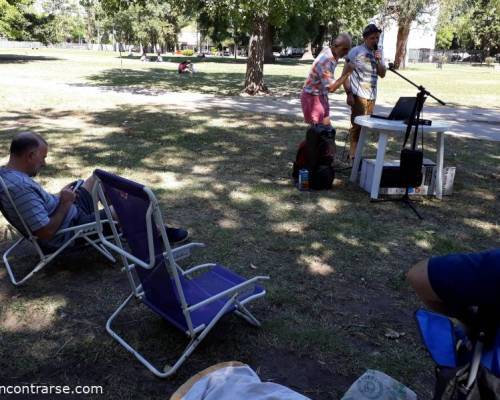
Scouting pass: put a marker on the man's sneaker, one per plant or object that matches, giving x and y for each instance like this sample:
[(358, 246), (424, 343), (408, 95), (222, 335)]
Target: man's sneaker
[(176, 235)]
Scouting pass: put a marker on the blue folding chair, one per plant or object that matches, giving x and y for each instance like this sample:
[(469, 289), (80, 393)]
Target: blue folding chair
[(192, 300), (85, 233), (477, 359)]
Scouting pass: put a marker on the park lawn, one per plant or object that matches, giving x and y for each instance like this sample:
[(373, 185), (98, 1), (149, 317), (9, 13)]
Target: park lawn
[(336, 261), (462, 85)]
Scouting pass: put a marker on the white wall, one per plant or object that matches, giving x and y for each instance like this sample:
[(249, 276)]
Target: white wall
[(188, 36), (422, 34)]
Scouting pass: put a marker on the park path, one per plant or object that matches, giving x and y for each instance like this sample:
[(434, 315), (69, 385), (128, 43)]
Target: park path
[(468, 122), (474, 123)]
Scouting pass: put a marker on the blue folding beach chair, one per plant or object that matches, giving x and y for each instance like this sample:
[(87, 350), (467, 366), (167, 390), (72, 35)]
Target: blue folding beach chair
[(468, 368), (85, 233), (192, 300)]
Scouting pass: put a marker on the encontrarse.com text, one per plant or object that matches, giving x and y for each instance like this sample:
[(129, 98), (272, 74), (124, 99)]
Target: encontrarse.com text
[(49, 389)]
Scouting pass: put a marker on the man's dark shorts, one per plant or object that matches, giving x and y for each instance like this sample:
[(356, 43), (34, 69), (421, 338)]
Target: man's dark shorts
[(464, 280), (85, 207)]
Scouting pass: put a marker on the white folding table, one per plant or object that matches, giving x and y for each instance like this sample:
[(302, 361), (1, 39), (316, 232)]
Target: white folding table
[(384, 128)]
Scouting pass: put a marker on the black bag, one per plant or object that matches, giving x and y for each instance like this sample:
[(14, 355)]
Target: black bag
[(451, 382), (316, 154), (411, 167)]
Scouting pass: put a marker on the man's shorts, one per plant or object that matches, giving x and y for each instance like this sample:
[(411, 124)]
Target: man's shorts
[(85, 207), (315, 108), (464, 280)]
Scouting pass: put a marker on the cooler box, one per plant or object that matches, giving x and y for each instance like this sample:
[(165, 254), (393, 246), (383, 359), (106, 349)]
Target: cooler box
[(390, 175)]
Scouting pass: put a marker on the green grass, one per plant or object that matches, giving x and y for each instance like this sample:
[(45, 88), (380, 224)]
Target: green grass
[(462, 85), (336, 261)]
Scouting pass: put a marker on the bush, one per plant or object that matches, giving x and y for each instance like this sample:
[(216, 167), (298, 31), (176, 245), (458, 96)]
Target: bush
[(489, 60), (187, 52)]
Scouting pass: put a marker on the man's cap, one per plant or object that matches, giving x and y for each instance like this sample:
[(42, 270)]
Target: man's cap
[(372, 28)]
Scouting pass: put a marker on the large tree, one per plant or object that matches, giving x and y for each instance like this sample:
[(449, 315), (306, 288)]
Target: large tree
[(287, 21), (340, 16), (486, 26), (255, 17), (56, 21), (406, 12), (149, 23), (469, 24), (13, 22)]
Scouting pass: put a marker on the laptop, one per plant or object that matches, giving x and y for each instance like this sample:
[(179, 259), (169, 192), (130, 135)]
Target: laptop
[(401, 111)]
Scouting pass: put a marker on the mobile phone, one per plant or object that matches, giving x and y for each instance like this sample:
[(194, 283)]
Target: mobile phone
[(77, 185)]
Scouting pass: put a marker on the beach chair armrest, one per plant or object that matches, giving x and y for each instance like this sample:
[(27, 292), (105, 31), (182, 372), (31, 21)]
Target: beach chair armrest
[(84, 227), (228, 292), (197, 268), (184, 251)]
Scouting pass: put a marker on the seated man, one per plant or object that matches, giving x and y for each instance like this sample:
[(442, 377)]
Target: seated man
[(185, 66), (452, 284), (46, 213)]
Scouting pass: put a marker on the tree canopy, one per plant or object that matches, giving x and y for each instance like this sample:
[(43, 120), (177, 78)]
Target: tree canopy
[(469, 24)]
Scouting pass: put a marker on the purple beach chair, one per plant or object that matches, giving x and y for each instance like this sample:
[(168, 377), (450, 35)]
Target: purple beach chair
[(193, 304)]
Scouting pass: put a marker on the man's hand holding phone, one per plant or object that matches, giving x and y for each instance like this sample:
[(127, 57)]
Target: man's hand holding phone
[(76, 185), (67, 195)]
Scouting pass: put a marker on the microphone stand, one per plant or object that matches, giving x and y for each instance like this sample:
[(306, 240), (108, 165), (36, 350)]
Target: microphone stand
[(414, 121)]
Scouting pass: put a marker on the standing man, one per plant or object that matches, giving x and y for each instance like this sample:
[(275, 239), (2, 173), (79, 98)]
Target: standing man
[(361, 89), (320, 81)]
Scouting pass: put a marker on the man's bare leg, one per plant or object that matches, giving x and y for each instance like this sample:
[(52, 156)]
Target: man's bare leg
[(88, 185)]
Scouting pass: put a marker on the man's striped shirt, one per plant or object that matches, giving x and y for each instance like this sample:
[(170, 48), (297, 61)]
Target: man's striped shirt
[(364, 77), (33, 203)]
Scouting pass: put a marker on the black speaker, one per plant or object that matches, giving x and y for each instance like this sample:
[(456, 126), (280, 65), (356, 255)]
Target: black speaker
[(411, 167)]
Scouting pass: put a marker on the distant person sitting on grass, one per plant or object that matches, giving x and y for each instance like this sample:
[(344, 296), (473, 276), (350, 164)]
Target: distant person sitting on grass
[(186, 67), (454, 283), (46, 213)]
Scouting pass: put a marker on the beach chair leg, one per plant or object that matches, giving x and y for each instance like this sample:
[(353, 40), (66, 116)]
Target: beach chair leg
[(100, 248), (243, 312), (167, 370), (42, 263)]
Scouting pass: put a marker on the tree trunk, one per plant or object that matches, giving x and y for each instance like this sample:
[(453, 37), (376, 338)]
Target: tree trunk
[(254, 79), (268, 44), (401, 43), (317, 43)]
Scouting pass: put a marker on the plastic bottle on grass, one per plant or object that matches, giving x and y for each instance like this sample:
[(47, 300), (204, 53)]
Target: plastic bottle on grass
[(303, 179)]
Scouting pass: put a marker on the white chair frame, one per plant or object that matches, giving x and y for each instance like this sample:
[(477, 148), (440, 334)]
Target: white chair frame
[(83, 231), (171, 256)]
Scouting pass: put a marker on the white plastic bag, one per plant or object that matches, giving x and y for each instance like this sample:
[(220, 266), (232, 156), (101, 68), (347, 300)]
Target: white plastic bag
[(375, 385), (238, 382)]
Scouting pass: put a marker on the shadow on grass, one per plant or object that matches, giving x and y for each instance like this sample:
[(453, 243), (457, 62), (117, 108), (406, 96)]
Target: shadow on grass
[(336, 261), (152, 58), (155, 81), (22, 59)]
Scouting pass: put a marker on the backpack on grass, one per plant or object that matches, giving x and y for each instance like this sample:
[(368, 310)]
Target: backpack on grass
[(316, 154)]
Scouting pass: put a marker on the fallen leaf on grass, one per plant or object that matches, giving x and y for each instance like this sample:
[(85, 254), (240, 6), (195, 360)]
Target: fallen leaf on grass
[(392, 334)]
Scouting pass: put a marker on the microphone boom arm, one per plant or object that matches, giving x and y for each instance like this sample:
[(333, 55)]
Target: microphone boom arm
[(419, 87)]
